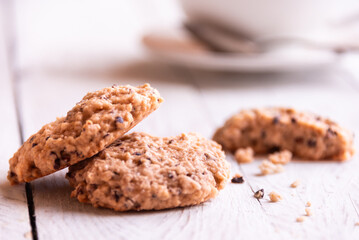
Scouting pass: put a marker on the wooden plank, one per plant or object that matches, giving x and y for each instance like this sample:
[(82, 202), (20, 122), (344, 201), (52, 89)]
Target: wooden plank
[(331, 187), (14, 219)]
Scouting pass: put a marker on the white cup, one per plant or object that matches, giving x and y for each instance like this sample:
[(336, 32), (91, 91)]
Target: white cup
[(308, 19)]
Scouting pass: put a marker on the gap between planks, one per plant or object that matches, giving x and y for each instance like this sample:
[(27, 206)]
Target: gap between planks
[(11, 51)]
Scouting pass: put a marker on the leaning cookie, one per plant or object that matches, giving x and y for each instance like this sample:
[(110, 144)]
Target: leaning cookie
[(95, 122), (142, 172), (306, 135)]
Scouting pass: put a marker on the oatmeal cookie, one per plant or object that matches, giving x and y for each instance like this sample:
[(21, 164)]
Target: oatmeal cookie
[(142, 172), (94, 123), (267, 130)]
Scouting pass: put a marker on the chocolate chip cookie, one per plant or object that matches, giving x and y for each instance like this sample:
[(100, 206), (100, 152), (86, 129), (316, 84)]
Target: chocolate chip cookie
[(267, 130), (142, 172), (94, 123)]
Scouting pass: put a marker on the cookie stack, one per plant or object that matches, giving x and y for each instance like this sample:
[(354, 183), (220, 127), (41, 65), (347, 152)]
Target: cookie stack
[(122, 172)]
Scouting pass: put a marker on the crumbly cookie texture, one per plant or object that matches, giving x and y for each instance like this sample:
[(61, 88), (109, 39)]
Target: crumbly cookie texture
[(267, 130), (266, 167), (275, 197), (282, 157), (295, 184), (94, 123), (142, 172), (244, 155)]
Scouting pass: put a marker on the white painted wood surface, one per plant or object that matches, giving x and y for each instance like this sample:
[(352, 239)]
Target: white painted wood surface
[(65, 50), (14, 219)]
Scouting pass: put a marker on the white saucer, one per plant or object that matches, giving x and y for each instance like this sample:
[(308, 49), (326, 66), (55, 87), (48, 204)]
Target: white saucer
[(177, 47)]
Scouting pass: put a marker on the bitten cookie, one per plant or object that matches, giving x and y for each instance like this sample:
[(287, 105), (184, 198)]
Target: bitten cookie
[(142, 172), (95, 122), (306, 135)]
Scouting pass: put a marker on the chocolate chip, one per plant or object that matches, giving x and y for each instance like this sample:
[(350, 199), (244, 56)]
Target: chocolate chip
[(170, 141), (119, 119), (331, 132), (189, 174), (275, 120), (154, 195), (139, 162), (12, 174), (237, 180), (47, 138), (65, 156), (34, 144), (106, 135), (117, 196), (312, 143), (136, 205), (263, 134), (118, 144), (79, 154), (299, 140), (32, 139), (137, 153), (170, 175), (293, 120), (273, 149), (259, 194), (57, 163)]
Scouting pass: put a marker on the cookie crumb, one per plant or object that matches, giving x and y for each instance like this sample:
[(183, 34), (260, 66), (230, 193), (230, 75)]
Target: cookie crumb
[(244, 155), (268, 167), (357, 224), (237, 179), (308, 212), (282, 157), (28, 235), (308, 204), (259, 194), (300, 219), (275, 197), (295, 184)]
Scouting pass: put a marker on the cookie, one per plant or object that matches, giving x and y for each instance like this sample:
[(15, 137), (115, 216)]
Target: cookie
[(142, 172), (94, 123), (267, 130)]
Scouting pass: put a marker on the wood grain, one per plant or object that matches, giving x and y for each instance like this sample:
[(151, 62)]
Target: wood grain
[(14, 220)]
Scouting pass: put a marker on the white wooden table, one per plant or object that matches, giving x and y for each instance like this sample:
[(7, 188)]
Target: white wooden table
[(51, 54)]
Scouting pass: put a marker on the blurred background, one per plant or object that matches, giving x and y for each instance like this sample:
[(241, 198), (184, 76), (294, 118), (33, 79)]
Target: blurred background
[(246, 53), (231, 36)]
